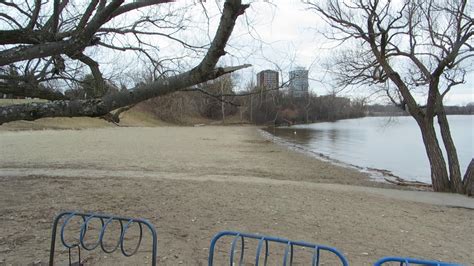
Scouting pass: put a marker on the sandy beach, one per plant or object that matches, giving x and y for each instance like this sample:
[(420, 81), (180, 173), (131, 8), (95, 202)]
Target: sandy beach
[(192, 182)]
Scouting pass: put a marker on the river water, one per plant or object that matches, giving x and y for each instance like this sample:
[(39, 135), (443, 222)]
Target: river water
[(386, 143)]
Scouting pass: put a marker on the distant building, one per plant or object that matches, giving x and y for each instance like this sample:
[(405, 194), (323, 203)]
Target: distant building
[(299, 82), (267, 79)]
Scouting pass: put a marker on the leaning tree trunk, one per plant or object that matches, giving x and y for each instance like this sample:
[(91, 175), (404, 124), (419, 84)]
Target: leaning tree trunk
[(204, 71), (453, 161), (469, 179), (439, 173)]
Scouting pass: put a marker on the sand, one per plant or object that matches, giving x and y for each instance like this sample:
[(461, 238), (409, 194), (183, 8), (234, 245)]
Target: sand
[(192, 182)]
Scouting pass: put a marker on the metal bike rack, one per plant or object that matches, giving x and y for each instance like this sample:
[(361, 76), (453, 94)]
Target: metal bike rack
[(263, 241), (411, 261), (105, 220)]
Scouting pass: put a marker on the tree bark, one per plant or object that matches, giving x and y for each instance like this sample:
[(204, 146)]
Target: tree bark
[(116, 116), (453, 161), (222, 103), (32, 91), (439, 173), (468, 180)]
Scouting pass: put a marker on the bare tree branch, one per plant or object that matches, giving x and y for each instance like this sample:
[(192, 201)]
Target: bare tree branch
[(204, 71), (408, 46)]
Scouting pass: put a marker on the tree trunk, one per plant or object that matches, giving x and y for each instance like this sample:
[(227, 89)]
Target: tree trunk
[(251, 109), (469, 179), (439, 173), (222, 102), (453, 161)]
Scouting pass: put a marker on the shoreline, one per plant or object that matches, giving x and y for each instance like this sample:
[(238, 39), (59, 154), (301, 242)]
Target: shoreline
[(192, 182), (375, 145), (30, 157), (374, 174)]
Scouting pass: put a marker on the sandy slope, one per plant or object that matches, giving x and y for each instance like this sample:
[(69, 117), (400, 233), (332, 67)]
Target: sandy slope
[(193, 182)]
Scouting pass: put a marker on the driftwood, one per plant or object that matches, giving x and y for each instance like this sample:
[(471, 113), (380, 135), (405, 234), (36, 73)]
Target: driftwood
[(468, 180), (402, 182), (393, 179)]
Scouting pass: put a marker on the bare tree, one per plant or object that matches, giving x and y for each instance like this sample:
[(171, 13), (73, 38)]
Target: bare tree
[(48, 32), (411, 48)]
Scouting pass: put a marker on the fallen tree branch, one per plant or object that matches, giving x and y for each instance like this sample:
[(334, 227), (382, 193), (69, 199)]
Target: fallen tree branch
[(31, 91), (402, 182), (204, 71), (116, 115)]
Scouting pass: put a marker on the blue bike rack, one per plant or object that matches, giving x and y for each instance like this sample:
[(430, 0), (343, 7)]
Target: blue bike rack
[(409, 261), (105, 220), (264, 240)]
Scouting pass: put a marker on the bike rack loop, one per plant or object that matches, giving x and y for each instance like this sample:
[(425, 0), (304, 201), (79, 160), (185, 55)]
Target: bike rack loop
[(265, 240), (105, 220), (408, 261)]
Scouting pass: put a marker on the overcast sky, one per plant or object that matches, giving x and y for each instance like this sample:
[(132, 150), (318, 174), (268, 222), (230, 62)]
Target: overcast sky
[(277, 35)]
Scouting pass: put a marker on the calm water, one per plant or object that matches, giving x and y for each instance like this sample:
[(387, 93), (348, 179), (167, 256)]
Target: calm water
[(392, 144)]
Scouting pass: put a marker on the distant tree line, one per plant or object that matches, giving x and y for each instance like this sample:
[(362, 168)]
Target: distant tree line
[(392, 110), (281, 108), (460, 110), (211, 100), (218, 99)]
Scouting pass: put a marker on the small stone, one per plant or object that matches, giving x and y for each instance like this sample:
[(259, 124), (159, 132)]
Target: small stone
[(365, 253), (180, 262), (6, 249), (37, 262)]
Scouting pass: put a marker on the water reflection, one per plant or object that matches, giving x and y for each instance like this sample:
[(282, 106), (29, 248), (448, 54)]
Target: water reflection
[(393, 144), (298, 135)]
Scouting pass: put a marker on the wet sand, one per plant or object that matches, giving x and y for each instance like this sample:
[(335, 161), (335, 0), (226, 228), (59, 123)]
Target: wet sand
[(193, 182)]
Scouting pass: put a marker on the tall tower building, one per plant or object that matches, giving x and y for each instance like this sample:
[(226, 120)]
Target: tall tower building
[(299, 82), (267, 79)]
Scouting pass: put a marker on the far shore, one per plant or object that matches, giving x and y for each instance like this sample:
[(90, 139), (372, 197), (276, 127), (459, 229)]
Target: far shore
[(192, 182)]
